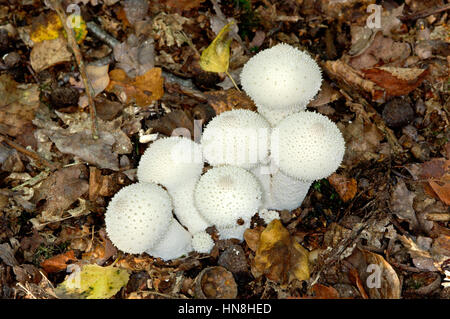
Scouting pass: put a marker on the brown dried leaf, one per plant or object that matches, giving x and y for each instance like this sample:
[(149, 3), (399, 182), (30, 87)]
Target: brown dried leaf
[(143, 89), (325, 292), (18, 104), (402, 204), (279, 257), (222, 101), (384, 275), (48, 53), (345, 187), (396, 81), (60, 190), (58, 262), (437, 171), (184, 5)]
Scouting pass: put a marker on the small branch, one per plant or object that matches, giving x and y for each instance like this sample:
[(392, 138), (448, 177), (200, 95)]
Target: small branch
[(232, 80), (425, 13), (56, 4), (29, 153)]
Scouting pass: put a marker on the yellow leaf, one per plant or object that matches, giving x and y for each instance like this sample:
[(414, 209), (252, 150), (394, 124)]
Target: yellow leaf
[(93, 282), (79, 27), (48, 27), (45, 27), (279, 257), (216, 57)]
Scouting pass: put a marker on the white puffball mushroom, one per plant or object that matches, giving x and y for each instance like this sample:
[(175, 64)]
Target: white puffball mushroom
[(225, 194), (236, 232), (307, 146), (171, 161), (275, 116), (137, 219), (176, 163), (202, 242), (238, 137), (268, 215), (281, 76)]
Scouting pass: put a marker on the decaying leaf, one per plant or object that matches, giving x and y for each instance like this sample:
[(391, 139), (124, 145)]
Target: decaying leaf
[(48, 53), (58, 262), (60, 190), (279, 257), (135, 57), (93, 282), (396, 81), (345, 187), (216, 57), (98, 77), (184, 4), (437, 174), (222, 101), (45, 27), (18, 104), (402, 204), (378, 277), (143, 89)]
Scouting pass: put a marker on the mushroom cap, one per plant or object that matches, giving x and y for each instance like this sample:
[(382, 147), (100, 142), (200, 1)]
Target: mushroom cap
[(275, 116), (307, 146), (281, 76), (170, 162), (202, 242), (227, 193), (138, 216), (237, 137)]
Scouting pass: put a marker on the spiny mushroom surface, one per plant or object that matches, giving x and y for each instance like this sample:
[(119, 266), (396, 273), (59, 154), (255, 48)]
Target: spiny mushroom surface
[(137, 217), (281, 76), (226, 194), (171, 161), (237, 137), (202, 242), (176, 163), (307, 146)]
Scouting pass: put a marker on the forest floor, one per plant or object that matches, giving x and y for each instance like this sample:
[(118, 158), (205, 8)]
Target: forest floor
[(377, 228)]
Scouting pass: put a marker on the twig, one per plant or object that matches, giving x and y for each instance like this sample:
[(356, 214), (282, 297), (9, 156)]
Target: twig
[(426, 13), (56, 4), (232, 80), (101, 34), (29, 153)]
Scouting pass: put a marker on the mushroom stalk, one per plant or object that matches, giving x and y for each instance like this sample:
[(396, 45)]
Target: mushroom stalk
[(175, 243), (184, 207)]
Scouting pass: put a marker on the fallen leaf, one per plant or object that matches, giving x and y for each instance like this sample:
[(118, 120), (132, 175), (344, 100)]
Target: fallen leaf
[(437, 174), (17, 105), (222, 100), (216, 57), (324, 292), (98, 77), (58, 262), (279, 257), (136, 57), (93, 282), (345, 187), (402, 204), (60, 190), (378, 277), (184, 5), (48, 53), (45, 27), (396, 81), (143, 89)]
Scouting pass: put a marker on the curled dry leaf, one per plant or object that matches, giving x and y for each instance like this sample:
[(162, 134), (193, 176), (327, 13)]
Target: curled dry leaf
[(142, 90), (98, 77), (135, 57), (279, 257), (378, 277), (396, 81), (345, 187), (58, 262), (437, 173), (18, 104)]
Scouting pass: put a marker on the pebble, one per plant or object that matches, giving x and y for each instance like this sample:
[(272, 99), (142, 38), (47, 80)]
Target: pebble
[(233, 259), (398, 113)]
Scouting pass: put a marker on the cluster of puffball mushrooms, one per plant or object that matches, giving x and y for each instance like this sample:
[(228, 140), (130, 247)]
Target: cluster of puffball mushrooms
[(259, 162)]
